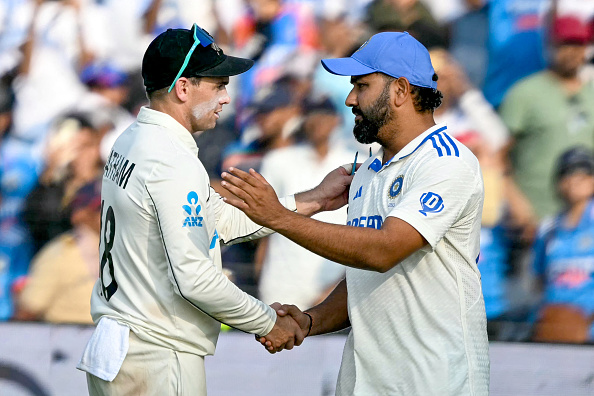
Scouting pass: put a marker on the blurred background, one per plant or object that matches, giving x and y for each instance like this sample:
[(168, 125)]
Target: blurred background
[(518, 83)]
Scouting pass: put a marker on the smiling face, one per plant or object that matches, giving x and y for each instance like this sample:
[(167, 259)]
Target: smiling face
[(370, 102), (206, 102)]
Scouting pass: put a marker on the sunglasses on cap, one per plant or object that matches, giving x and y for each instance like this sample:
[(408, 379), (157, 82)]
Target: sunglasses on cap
[(201, 37)]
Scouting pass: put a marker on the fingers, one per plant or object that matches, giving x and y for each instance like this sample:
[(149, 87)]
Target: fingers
[(258, 177), (238, 203), (231, 184), (248, 178)]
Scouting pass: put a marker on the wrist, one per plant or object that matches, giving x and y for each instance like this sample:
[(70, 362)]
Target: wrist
[(310, 324), (309, 202)]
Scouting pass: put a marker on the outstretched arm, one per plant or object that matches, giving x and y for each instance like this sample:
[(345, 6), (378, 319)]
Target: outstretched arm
[(364, 248)]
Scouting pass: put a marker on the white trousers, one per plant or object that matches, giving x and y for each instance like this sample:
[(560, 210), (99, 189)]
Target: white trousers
[(151, 370)]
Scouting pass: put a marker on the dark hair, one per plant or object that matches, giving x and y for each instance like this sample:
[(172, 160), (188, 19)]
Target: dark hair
[(424, 99)]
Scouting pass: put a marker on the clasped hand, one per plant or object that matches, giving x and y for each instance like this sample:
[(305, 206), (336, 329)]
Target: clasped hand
[(290, 329)]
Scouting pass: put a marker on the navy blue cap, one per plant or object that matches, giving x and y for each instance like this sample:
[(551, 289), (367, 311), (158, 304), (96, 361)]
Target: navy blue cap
[(576, 159), (393, 53)]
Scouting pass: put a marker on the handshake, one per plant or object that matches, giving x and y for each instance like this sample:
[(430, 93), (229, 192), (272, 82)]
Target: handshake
[(291, 327)]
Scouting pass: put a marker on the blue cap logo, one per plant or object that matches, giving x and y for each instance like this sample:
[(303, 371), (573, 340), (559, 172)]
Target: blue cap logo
[(431, 203), (393, 53)]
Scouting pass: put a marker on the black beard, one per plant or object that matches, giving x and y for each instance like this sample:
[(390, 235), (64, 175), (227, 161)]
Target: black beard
[(366, 130)]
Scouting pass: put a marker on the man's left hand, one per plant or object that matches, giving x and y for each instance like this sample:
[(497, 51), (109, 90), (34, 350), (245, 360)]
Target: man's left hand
[(253, 195)]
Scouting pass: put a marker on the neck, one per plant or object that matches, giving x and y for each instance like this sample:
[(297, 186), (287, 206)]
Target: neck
[(176, 112), (571, 84), (575, 213), (403, 131)]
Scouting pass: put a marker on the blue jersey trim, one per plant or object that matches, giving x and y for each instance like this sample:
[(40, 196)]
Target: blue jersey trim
[(456, 151), (436, 146), (443, 143), (432, 134)]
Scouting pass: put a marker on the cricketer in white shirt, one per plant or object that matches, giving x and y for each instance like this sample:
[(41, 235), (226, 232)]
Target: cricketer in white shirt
[(419, 328), (160, 272)]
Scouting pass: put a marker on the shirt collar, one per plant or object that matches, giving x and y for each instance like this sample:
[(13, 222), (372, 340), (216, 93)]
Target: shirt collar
[(410, 148), (154, 117)]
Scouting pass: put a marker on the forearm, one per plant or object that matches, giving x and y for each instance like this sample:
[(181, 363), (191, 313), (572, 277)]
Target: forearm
[(332, 314), (356, 247)]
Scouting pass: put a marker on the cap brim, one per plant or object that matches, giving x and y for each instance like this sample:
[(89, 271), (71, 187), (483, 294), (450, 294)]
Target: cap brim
[(231, 66), (346, 67)]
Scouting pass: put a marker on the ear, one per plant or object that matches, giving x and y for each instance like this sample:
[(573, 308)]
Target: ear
[(401, 89), (182, 89)]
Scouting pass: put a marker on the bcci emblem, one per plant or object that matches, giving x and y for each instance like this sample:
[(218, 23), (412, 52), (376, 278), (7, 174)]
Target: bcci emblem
[(396, 187)]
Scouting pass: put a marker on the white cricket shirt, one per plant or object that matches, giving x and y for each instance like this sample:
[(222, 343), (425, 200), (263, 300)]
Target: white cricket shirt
[(160, 256), (419, 328)]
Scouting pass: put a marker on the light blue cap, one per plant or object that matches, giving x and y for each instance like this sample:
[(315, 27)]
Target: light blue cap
[(392, 53)]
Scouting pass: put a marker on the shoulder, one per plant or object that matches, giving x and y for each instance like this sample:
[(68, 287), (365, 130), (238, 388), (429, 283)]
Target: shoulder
[(526, 85), (444, 152)]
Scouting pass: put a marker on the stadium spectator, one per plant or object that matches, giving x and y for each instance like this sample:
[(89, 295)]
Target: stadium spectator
[(109, 90), (18, 175), (59, 284), (277, 116), (288, 272), (406, 15), (272, 33), (547, 113), (72, 159), (339, 36), (59, 44), (564, 255), (515, 44)]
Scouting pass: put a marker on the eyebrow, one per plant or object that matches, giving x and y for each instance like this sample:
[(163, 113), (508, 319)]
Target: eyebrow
[(354, 79)]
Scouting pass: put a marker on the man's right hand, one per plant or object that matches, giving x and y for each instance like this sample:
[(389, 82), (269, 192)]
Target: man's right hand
[(285, 334), (290, 314)]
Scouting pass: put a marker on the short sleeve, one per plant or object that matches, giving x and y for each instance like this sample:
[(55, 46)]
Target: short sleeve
[(437, 195)]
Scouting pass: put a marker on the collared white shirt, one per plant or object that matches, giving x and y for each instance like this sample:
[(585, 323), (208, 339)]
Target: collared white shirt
[(160, 256), (419, 328)]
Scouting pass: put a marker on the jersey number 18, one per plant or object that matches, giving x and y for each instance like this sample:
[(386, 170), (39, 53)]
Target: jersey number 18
[(108, 238)]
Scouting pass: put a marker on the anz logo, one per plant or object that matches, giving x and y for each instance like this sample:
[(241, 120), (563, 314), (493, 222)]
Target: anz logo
[(192, 210)]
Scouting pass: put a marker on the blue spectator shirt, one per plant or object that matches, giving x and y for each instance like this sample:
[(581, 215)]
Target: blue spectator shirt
[(565, 258)]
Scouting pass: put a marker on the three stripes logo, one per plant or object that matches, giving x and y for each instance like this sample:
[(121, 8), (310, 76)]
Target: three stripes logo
[(444, 144)]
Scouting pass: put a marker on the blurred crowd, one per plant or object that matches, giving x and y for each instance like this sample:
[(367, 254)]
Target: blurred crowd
[(518, 83)]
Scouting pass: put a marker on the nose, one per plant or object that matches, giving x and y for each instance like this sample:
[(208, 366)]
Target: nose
[(351, 99), (225, 99)]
